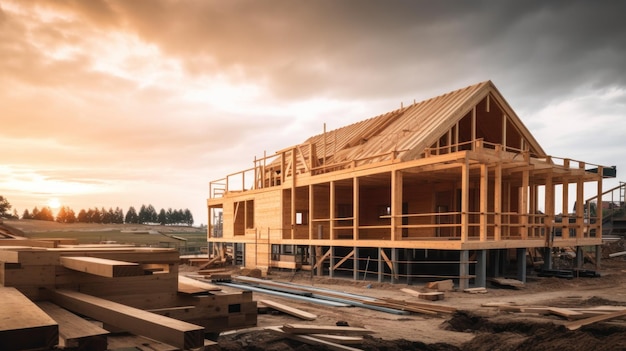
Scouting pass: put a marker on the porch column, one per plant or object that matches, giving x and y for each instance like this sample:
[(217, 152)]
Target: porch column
[(380, 265), (484, 182), (355, 208), (464, 270), (331, 259), (524, 204), (497, 203), (332, 235), (481, 269), (355, 264), (396, 205), (464, 200), (580, 204), (549, 206), (521, 264), (598, 256)]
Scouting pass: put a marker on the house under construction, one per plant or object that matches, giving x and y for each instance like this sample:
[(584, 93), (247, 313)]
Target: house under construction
[(454, 186)]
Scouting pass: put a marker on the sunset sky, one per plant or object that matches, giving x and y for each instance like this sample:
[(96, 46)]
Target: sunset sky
[(120, 103)]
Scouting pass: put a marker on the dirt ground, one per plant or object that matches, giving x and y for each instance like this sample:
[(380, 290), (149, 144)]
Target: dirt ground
[(473, 327)]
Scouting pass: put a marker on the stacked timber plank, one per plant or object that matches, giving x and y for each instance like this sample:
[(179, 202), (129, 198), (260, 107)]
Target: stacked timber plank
[(131, 289)]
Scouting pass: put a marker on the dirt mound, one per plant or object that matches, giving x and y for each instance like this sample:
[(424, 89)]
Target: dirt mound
[(527, 335), (263, 340), (613, 246)]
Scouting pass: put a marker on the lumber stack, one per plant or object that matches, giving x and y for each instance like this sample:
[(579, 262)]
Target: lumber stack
[(23, 325), (100, 282)]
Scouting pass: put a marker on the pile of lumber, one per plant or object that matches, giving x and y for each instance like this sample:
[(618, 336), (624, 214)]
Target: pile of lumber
[(577, 316), (131, 289), (382, 304), (331, 336)]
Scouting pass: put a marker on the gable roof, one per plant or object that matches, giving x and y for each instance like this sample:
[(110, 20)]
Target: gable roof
[(410, 130)]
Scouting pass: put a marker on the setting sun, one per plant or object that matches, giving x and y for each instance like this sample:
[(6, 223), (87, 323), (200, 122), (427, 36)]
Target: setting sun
[(54, 203)]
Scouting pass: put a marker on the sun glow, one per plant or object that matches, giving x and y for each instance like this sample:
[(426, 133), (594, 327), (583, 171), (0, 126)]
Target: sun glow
[(54, 203)]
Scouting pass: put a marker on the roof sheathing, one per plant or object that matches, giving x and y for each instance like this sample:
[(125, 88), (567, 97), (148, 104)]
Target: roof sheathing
[(410, 130)]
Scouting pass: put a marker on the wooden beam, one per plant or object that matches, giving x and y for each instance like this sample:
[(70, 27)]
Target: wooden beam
[(23, 325), (192, 286), (325, 256), (167, 330), (484, 183), (343, 259), (102, 267), (74, 331), (605, 317), (465, 200), (324, 329), (289, 310)]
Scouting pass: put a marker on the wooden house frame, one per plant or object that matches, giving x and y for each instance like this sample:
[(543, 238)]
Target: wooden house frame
[(452, 186)]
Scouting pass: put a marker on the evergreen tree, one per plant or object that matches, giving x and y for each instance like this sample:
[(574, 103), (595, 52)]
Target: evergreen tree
[(162, 217), (26, 214), (169, 216), (96, 216), (70, 216), (152, 214), (45, 214), (188, 217), (61, 215), (143, 215), (5, 206), (35, 213), (83, 216), (131, 216), (119, 216)]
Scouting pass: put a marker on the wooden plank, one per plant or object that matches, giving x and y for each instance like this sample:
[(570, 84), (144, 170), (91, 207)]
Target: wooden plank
[(289, 310), (74, 331), (430, 296), (475, 290), (102, 267), (168, 330), (441, 285), (307, 339), (27, 242), (582, 322), (23, 325), (564, 312), (424, 305), (192, 286), (411, 292), (324, 329), (340, 339)]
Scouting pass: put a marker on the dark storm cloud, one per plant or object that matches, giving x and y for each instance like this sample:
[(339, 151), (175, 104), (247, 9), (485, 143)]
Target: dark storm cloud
[(360, 49)]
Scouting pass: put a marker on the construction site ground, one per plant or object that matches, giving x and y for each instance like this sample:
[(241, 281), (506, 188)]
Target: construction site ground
[(473, 327)]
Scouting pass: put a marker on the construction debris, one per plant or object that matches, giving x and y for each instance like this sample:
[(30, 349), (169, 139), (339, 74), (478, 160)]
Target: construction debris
[(479, 290), (430, 296), (441, 285)]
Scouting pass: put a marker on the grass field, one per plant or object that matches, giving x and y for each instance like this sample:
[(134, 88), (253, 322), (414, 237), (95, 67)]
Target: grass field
[(187, 240)]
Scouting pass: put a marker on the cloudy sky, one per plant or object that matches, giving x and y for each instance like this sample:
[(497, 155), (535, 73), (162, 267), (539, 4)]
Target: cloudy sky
[(108, 103)]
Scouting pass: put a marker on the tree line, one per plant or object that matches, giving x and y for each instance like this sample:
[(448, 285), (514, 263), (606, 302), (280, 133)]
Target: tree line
[(145, 215)]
